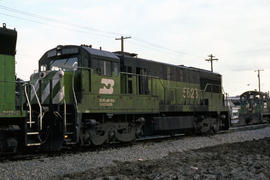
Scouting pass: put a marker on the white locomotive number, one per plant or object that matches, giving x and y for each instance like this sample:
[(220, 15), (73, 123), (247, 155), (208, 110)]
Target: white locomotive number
[(108, 86), (192, 93)]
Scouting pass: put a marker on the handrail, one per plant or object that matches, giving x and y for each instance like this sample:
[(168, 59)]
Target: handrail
[(40, 107), (65, 115), (29, 105), (10, 81), (209, 84), (73, 90), (155, 77), (133, 74), (30, 108)]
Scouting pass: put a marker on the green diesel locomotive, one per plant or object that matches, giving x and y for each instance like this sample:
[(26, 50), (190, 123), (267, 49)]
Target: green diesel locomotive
[(254, 108), (12, 115), (87, 96)]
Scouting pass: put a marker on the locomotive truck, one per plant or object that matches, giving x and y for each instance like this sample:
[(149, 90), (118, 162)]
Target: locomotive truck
[(87, 96)]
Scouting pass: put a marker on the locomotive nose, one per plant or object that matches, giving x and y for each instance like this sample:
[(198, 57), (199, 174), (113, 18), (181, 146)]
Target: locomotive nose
[(48, 86)]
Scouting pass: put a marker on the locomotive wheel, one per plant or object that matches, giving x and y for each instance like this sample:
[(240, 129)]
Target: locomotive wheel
[(248, 121), (206, 125), (2, 143), (253, 119), (110, 132), (98, 137), (8, 143), (126, 135), (51, 135)]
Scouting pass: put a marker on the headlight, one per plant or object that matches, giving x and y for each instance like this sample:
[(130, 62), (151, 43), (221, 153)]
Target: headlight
[(42, 75), (61, 74)]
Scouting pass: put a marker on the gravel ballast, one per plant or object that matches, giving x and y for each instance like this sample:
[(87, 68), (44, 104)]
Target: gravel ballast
[(244, 160), (45, 168)]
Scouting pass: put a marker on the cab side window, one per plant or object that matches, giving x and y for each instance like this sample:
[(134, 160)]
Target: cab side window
[(105, 67), (115, 69)]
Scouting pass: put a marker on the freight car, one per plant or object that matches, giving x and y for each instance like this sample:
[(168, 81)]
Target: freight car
[(254, 108), (87, 96), (12, 116)]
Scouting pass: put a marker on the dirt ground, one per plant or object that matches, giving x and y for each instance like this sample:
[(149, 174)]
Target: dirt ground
[(247, 160)]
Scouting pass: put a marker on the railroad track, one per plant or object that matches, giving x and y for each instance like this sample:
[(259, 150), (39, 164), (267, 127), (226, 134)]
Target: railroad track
[(31, 155)]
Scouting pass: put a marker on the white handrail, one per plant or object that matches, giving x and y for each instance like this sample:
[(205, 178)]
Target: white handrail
[(29, 105), (65, 115), (40, 107), (73, 90)]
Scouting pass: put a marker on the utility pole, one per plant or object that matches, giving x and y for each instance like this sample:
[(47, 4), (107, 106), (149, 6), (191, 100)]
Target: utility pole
[(122, 41), (259, 78), (211, 59)]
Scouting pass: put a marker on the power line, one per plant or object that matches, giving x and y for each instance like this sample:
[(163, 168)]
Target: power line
[(54, 20), (161, 47), (46, 24), (162, 54), (78, 28)]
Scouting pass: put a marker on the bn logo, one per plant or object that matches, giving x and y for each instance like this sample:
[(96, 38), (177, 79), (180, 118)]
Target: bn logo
[(108, 86)]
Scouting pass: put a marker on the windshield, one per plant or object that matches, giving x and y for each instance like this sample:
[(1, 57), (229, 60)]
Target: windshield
[(67, 64)]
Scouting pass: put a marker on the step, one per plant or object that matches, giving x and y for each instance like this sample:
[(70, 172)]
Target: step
[(33, 144), (32, 133), (69, 133), (32, 122), (71, 143)]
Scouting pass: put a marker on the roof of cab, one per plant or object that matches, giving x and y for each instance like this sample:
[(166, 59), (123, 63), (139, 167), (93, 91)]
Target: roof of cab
[(101, 53)]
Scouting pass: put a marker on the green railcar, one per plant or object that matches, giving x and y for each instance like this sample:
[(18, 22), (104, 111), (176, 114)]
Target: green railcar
[(12, 117), (254, 108), (89, 96)]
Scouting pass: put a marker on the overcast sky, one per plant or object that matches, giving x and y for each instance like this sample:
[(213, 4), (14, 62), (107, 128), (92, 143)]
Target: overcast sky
[(184, 32)]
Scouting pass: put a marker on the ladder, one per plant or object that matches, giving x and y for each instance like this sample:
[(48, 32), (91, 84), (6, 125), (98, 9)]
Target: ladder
[(32, 128), (70, 135), (32, 134)]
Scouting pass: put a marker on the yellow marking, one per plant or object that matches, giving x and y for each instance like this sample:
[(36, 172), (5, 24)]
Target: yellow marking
[(106, 102)]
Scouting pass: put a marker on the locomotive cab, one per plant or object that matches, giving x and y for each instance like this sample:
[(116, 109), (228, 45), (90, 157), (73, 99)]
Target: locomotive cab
[(78, 65)]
